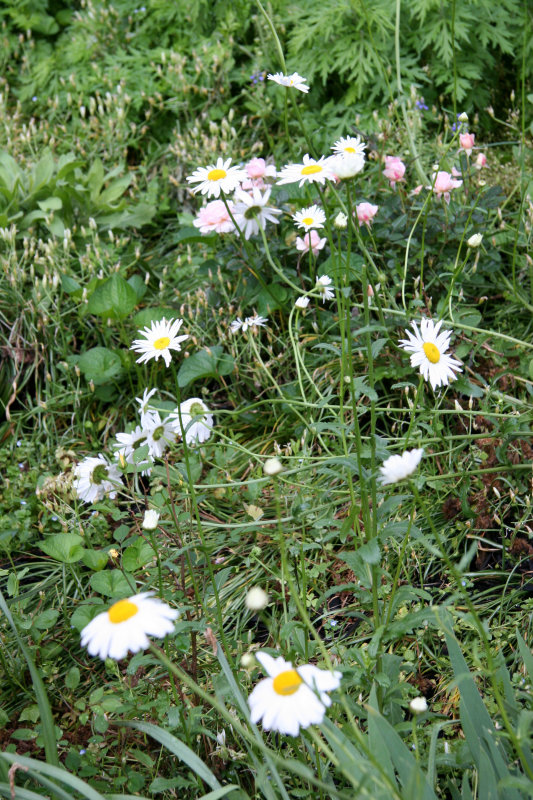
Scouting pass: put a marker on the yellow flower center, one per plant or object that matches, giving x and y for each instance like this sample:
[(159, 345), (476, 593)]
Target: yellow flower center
[(121, 611), (308, 220), (161, 343), (287, 682), (350, 150), (216, 174), (432, 352), (311, 169)]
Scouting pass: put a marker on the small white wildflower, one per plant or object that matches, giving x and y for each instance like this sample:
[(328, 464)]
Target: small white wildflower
[(475, 240), (302, 302), (256, 599), (272, 466), (150, 520), (418, 705)]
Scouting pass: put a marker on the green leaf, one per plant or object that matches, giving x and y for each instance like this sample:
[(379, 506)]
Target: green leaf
[(46, 619), (113, 298), (95, 559), (115, 190), (138, 285), (137, 555), (111, 583), (100, 365), (72, 678), (145, 317), (84, 614), (206, 363), (42, 172), (64, 547), (370, 552)]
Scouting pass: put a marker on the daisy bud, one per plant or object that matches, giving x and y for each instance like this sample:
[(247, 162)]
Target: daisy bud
[(151, 518), (475, 240), (463, 117), (256, 599), (247, 661), (302, 302), (418, 705), (340, 221), (272, 466)]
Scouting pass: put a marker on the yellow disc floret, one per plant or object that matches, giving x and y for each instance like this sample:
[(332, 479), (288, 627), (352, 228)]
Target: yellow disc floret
[(311, 169), (307, 220), (432, 352), (162, 343), (287, 682), (121, 611), (216, 174)]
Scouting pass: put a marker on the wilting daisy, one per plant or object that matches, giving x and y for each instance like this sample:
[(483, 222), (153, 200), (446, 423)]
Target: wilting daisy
[(94, 478), (144, 403), (323, 284), (215, 217), (349, 145), (311, 171), (290, 699), (311, 241), (293, 81), (250, 322), (196, 419), (312, 217), (160, 340), (428, 348), (126, 445), (159, 434), (127, 625), (396, 468), (216, 178), (251, 211), (346, 165)]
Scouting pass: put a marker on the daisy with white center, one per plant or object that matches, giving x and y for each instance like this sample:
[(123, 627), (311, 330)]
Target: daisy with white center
[(349, 145), (293, 81), (323, 284), (126, 626), (196, 419), (312, 217), (216, 178), (250, 322), (94, 478), (159, 434), (396, 468), (159, 340), (251, 211), (428, 351), (311, 171), (290, 699)]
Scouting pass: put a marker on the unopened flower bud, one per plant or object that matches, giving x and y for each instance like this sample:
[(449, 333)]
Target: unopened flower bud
[(151, 518), (475, 240), (418, 705), (463, 117), (341, 220), (272, 466), (256, 599)]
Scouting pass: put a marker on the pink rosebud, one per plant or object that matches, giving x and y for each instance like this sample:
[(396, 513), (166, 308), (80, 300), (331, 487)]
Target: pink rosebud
[(257, 170), (310, 239), (443, 183), (467, 142), (394, 169), (481, 161), (214, 217), (417, 189), (366, 212)]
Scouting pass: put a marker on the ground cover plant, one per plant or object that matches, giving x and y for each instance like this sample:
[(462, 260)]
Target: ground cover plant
[(266, 379)]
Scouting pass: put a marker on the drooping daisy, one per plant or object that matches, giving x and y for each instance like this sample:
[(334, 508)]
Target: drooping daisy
[(144, 403), (215, 217), (311, 241), (160, 340), (94, 478), (196, 419), (293, 81), (396, 468), (349, 145), (312, 217), (323, 284), (290, 699), (159, 434), (127, 625), (216, 178), (311, 171), (250, 322), (428, 348), (251, 211), (301, 302), (128, 443)]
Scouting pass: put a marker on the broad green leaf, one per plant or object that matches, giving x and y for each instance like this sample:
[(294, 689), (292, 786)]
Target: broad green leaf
[(145, 317), (42, 172), (111, 583), (46, 619), (95, 559), (72, 678), (115, 190), (100, 365), (50, 204), (64, 547), (206, 363), (137, 555), (114, 297)]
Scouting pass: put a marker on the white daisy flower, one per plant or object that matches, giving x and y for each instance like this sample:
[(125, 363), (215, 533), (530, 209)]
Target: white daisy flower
[(160, 340), (349, 145), (150, 519), (311, 171), (251, 211), (127, 625), (323, 284), (312, 217), (428, 348), (159, 434), (290, 699), (293, 81), (144, 402), (126, 445), (216, 178), (196, 419), (250, 322), (346, 165), (396, 468), (94, 478), (301, 302)]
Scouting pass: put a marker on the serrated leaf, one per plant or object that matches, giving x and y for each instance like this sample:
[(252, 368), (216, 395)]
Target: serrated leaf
[(64, 547)]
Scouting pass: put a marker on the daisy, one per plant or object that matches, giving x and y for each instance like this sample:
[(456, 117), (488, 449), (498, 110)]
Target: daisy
[(159, 434), (196, 419), (251, 211), (160, 340), (311, 241), (216, 178), (311, 171), (127, 625), (128, 443), (349, 145), (293, 81), (312, 217), (144, 403), (94, 478), (428, 348), (323, 285), (215, 217), (396, 468), (290, 699), (249, 322), (302, 302)]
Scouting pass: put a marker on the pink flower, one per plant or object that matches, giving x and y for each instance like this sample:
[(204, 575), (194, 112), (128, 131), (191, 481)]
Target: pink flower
[(214, 217), (394, 169), (366, 212), (417, 190), (443, 183), (467, 142), (481, 161), (310, 239), (257, 170)]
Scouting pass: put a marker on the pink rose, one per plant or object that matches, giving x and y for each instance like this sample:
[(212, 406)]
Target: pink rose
[(443, 183), (214, 217), (366, 212), (467, 142), (310, 239), (394, 169), (481, 161)]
